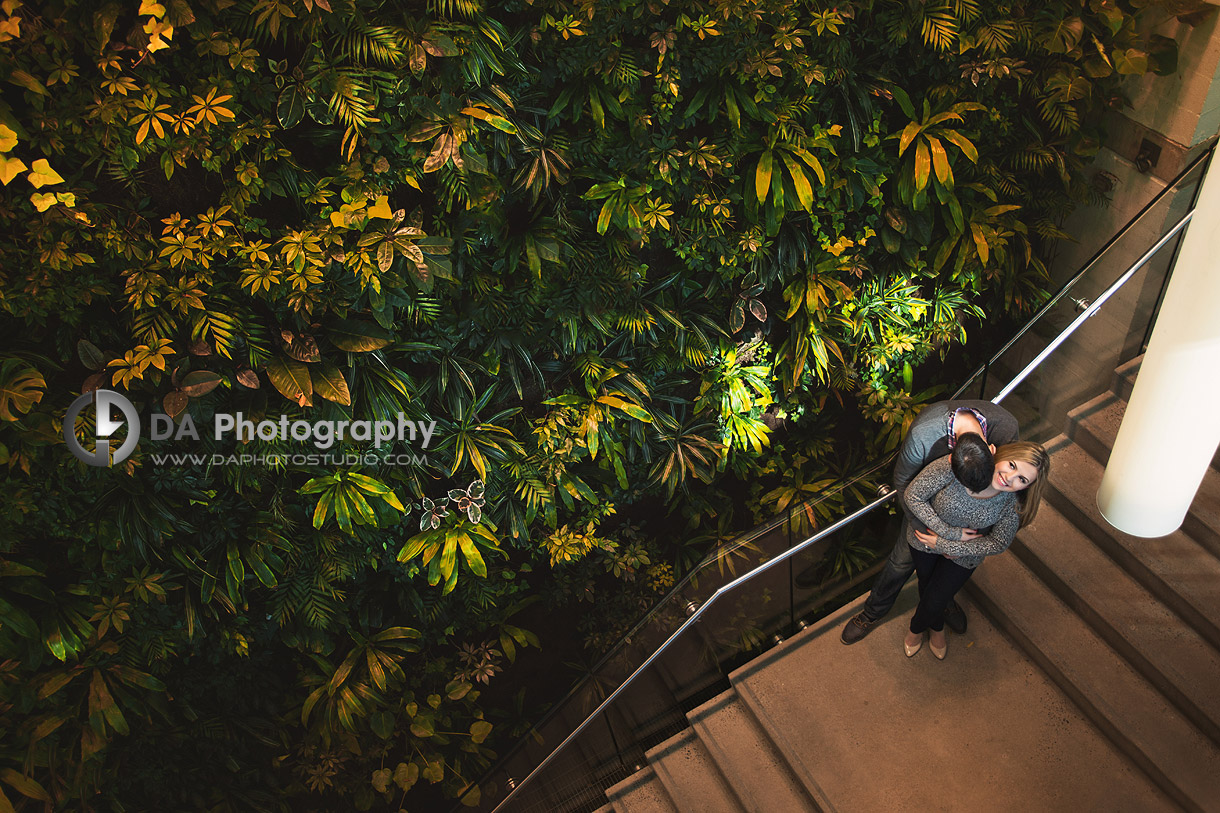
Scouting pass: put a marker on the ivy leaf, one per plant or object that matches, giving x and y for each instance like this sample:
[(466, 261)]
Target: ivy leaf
[(10, 168), (8, 138), (406, 775), (42, 200), (479, 730), (292, 379), (42, 175), (381, 208)]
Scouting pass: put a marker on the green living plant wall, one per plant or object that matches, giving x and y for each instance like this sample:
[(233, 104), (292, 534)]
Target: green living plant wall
[(603, 246)]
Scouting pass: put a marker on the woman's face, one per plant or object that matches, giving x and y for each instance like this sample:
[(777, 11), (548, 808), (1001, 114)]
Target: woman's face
[(1013, 475)]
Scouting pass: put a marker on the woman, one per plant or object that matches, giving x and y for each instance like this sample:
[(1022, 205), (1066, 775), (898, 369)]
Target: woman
[(947, 554)]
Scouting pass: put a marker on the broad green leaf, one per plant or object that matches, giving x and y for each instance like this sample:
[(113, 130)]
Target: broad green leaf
[(200, 383), (89, 355), (406, 775), (1131, 61), (359, 337), (329, 383), (292, 379), (290, 108), (479, 730)]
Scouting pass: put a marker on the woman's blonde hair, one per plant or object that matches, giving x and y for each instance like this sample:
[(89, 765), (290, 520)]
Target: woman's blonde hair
[(1035, 455)]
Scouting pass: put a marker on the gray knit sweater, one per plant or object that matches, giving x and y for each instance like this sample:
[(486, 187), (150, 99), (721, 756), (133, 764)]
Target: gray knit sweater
[(937, 498)]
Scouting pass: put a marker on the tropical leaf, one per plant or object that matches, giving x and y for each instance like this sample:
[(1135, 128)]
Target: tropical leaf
[(292, 379), (21, 386)]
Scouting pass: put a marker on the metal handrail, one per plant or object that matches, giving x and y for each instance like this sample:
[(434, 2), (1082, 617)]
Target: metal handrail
[(1202, 158), (887, 493), (1093, 308), (736, 543)]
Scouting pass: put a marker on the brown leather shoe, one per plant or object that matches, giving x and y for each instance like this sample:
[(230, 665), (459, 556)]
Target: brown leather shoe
[(856, 629)]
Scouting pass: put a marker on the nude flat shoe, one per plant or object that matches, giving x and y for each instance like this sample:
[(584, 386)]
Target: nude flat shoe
[(939, 652), (911, 650)]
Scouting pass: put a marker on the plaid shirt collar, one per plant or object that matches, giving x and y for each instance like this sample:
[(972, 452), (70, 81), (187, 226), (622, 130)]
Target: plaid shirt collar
[(951, 414)]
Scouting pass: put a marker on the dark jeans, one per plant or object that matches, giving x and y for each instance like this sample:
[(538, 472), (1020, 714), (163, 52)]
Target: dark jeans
[(888, 584), (939, 581)]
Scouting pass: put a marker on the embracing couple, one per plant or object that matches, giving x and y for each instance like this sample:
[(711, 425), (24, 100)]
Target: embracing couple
[(965, 484)]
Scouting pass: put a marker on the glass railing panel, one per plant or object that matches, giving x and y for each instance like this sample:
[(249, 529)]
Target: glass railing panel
[(1083, 366), (694, 667)]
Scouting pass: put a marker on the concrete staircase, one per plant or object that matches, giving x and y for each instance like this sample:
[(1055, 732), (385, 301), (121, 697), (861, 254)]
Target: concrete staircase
[(1089, 679)]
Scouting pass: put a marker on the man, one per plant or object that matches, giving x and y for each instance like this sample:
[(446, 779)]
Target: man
[(932, 435)]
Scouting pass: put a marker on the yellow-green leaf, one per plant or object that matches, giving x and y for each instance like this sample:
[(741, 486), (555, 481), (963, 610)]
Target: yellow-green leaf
[(292, 379), (908, 135), (381, 208), (923, 165), (940, 162), (479, 730), (359, 337), (9, 167), (762, 176), (42, 175), (8, 138), (331, 385), (804, 191), (980, 242), (42, 200), (24, 785)]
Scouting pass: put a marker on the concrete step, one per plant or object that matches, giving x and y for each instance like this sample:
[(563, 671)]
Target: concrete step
[(1094, 427), (606, 808), (691, 777), (642, 792), (994, 733), (749, 761), (1158, 644), (1124, 377), (1182, 762), (1175, 568)]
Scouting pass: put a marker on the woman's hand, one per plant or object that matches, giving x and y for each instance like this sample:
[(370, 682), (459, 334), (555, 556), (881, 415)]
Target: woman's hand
[(927, 537), (970, 533)]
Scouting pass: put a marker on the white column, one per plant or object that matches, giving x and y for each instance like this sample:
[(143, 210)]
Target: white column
[(1172, 424)]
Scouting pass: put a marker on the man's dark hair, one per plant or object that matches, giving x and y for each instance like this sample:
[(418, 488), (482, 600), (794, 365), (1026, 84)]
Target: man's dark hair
[(972, 461)]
